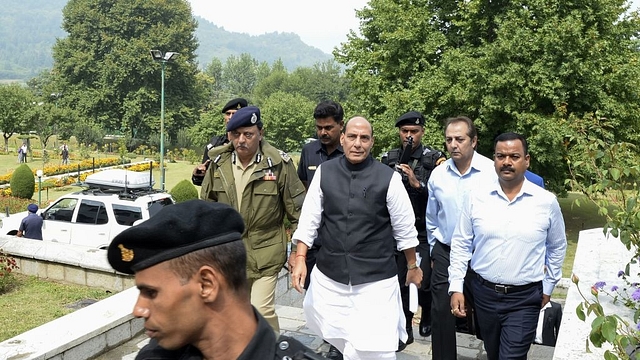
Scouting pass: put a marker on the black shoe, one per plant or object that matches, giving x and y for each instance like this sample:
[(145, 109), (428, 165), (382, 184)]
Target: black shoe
[(424, 329), (401, 346), (409, 336), (410, 339), (333, 353)]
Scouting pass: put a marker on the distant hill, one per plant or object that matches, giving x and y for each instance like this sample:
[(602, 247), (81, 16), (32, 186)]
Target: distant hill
[(29, 28), (219, 43)]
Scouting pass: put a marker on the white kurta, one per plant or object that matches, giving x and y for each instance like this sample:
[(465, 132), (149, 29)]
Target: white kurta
[(363, 321), (369, 316)]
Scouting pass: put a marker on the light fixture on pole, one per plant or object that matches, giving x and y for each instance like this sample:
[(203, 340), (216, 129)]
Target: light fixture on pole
[(163, 58), (39, 174)]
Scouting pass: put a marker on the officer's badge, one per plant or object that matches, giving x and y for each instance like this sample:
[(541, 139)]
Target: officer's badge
[(440, 161), (126, 254), (418, 121), (285, 156), (269, 175), (239, 106), (254, 118), (312, 167)]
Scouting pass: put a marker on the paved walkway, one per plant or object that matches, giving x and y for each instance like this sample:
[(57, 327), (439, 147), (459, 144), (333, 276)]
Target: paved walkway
[(292, 323)]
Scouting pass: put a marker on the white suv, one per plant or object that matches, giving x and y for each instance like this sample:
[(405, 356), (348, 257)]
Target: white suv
[(113, 201)]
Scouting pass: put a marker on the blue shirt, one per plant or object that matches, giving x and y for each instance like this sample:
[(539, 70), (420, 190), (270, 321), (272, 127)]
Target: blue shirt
[(31, 226), (447, 188), (534, 178), (509, 242)]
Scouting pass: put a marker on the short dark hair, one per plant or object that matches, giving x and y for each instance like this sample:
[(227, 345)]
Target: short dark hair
[(511, 136), (229, 258), (328, 108), (472, 132)]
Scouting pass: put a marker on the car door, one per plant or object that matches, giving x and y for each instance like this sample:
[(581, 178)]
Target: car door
[(92, 226), (58, 220)]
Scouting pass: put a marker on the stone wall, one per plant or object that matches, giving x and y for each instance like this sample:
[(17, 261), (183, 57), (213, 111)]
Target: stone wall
[(96, 329), (598, 258)]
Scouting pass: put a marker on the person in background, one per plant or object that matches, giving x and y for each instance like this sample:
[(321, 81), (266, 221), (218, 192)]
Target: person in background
[(361, 211), (511, 234), (329, 118), (64, 152), (31, 225), (189, 264), (447, 187), (534, 178), (228, 110), (22, 153), (415, 174), (260, 182)]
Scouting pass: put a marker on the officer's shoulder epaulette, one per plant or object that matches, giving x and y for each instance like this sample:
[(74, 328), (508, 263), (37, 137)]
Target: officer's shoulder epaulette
[(284, 155)]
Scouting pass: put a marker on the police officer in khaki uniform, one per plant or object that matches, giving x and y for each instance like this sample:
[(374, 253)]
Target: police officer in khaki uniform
[(228, 110), (260, 182), (415, 172), (189, 265)]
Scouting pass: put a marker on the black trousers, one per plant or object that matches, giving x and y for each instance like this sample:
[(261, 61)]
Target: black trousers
[(508, 321), (443, 323), (424, 291)]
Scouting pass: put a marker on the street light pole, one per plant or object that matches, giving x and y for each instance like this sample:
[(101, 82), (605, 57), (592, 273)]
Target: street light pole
[(39, 174), (157, 55)]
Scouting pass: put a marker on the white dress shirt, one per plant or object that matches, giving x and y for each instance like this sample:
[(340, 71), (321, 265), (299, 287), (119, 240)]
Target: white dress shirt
[(509, 242), (447, 189)]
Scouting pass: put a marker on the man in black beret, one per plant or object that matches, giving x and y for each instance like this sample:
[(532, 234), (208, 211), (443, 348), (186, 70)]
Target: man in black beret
[(415, 162), (189, 265), (261, 183), (228, 110)]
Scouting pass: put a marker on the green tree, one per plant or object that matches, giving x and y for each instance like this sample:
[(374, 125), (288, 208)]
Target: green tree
[(22, 182), (288, 119), (107, 74), (184, 191), (240, 75), (531, 67), (16, 102)]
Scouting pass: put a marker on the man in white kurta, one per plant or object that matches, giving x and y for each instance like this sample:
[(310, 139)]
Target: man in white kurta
[(361, 208)]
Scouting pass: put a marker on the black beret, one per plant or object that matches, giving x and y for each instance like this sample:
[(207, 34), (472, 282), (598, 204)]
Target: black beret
[(247, 116), (235, 104), (410, 118), (174, 231)]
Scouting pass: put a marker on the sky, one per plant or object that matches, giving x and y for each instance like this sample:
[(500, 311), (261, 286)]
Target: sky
[(322, 26)]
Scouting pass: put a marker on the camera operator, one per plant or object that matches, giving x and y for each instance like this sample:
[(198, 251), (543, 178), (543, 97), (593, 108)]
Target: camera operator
[(415, 162)]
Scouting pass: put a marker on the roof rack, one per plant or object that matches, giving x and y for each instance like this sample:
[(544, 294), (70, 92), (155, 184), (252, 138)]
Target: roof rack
[(124, 183)]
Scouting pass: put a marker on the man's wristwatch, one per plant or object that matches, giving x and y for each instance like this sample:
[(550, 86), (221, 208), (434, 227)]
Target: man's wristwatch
[(412, 266)]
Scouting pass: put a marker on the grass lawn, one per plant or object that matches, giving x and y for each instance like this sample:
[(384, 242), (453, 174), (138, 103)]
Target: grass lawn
[(35, 302)]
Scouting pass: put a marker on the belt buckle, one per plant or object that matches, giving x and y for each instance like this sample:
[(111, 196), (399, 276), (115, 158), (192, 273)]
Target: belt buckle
[(501, 288)]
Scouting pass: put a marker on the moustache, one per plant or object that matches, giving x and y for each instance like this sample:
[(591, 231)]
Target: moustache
[(507, 168)]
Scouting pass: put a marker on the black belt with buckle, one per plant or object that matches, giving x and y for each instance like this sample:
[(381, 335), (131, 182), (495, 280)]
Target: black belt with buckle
[(506, 289)]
